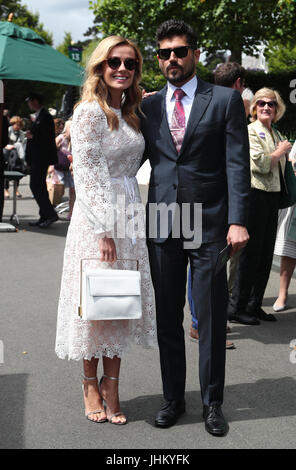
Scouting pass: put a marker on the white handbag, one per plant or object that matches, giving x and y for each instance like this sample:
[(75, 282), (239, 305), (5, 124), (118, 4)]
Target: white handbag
[(110, 294)]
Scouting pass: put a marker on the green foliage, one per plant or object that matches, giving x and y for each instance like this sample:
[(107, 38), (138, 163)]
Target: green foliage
[(88, 50), (237, 25), (16, 92), (281, 57), (63, 48), (24, 17)]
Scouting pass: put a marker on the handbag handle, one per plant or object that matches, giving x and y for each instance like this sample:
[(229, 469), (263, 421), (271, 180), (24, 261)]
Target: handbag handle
[(97, 259)]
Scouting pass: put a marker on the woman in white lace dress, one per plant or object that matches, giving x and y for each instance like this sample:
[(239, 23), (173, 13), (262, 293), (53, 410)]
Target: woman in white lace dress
[(107, 148)]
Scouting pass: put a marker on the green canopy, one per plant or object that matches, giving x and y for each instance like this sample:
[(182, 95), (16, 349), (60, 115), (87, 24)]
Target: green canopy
[(24, 55)]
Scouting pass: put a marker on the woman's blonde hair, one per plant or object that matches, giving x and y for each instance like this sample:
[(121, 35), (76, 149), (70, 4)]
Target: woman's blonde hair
[(16, 120), (271, 94), (95, 88)]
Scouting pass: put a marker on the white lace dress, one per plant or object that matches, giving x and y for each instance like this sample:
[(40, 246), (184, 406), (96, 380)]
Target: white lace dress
[(105, 163)]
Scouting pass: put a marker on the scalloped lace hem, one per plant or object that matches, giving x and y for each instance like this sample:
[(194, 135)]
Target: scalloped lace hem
[(63, 354)]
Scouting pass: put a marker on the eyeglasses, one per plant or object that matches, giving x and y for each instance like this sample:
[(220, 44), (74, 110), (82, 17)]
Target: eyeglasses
[(180, 52), (114, 63), (262, 103)]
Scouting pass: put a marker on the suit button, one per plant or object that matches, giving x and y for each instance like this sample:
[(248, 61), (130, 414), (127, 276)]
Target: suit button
[(175, 186)]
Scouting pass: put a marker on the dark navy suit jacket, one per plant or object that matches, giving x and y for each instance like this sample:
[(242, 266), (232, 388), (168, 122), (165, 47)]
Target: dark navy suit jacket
[(213, 166), (41, 150)]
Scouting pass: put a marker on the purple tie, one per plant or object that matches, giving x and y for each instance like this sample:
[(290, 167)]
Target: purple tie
[(177, 127)]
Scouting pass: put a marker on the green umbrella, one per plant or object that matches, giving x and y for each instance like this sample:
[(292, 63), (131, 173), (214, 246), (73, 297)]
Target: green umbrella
[(24, 55)]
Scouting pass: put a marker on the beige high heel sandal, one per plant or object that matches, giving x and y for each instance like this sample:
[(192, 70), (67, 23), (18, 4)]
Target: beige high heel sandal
[(90, 413), (119, 413)]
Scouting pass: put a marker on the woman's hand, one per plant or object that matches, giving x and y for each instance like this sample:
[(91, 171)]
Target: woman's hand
[(107, 250), (282, 148)]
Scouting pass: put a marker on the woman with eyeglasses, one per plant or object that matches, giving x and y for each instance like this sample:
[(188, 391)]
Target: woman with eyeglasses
[(107, 148), (268, 153)]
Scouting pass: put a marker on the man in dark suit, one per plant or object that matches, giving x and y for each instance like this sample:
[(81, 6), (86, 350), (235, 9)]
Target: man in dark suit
[(40, 153), (197, 143)]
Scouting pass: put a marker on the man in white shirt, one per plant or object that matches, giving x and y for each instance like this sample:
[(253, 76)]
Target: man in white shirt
[(197, 143)]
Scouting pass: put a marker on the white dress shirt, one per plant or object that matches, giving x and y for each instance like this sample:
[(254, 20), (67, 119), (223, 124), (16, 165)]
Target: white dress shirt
[(189, 88)]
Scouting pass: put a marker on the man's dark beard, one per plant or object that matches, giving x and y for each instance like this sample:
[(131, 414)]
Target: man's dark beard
[(181, 78)]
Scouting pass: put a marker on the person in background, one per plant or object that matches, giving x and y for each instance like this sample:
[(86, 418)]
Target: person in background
[(41, 152), (268, 151), (14, 151), (62, 168), (3, 143), (285, 247), (231, 75), (247, 96)]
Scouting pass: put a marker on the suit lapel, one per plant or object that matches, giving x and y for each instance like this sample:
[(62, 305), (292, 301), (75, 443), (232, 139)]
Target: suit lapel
[(201, 101)]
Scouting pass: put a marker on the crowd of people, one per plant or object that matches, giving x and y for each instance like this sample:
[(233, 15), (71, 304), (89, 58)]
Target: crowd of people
[(32, 146), (213, 144)]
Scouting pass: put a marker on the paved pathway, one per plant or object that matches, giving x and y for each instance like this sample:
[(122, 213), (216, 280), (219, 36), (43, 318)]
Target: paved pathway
[(41, 402)]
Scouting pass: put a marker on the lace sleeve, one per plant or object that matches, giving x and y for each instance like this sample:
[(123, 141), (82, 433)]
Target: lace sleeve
[(91, 175)]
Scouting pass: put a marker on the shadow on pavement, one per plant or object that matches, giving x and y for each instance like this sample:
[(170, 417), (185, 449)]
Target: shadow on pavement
[(12, 410), (58, 229), (280, 332), (263, 399)]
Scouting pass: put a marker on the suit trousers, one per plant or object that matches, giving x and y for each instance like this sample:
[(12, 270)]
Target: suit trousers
[(255, 261), (39, 191), (168, 263)]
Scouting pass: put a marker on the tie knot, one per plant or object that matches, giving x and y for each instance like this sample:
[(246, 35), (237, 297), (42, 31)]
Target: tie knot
[(179, 94)]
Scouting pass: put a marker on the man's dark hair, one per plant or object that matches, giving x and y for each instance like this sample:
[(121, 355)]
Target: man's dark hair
[(227, 74), (171, 28), (35, 96)]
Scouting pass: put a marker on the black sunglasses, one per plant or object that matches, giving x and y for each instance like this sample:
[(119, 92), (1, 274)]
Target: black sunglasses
[(114, 63), (180, 52), (262, 103)]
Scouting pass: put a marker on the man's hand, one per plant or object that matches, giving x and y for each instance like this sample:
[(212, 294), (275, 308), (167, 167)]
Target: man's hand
[(146, 94), (238, 237)]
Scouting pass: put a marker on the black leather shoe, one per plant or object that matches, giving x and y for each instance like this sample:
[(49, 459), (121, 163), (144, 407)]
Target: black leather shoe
[(264, 316), (215, 423), (169, 413), (36, 223), (243, 318), (48, 222)]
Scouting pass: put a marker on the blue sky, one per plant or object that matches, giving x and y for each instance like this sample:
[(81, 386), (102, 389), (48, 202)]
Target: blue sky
[(59, 16)]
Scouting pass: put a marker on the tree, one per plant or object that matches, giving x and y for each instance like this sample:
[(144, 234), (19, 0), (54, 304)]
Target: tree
[(24, 17), (281, 57), (63, 47), (237, 25)]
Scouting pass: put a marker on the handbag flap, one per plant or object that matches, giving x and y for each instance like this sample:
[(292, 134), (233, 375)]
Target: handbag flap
[(106, 284)]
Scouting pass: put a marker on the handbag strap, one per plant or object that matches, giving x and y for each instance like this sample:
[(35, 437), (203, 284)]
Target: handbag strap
[(118, 259)]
